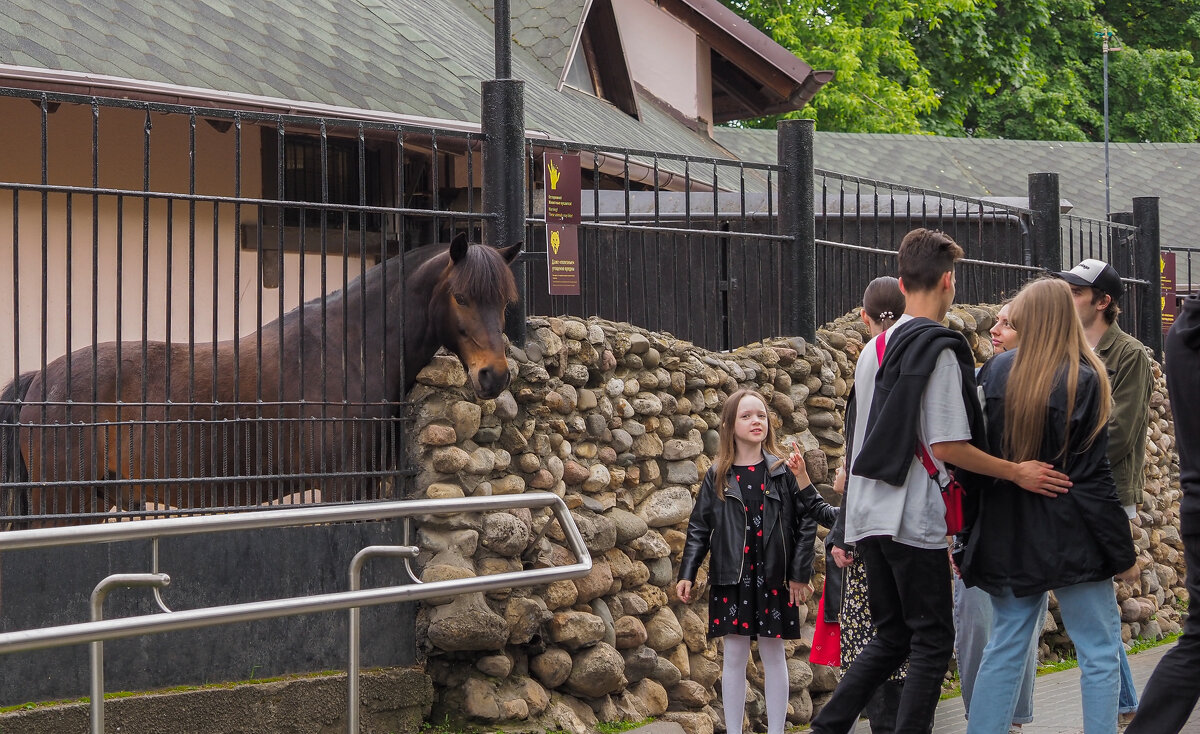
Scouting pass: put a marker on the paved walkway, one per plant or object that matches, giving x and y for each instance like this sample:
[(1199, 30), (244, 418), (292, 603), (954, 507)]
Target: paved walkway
[(1056, 706)]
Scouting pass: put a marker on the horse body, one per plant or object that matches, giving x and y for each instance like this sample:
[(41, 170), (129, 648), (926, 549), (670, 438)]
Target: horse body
[(308, 400)]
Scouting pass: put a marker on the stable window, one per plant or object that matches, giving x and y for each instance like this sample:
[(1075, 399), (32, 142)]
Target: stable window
[(597, 63)]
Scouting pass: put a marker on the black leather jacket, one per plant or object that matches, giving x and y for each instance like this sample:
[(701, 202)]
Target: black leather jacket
[(790, 517)]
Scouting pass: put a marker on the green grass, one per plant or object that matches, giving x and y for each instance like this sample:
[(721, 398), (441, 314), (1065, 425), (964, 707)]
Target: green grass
[(173, 689), (615, 727), (1138, 645), (1145, 644)]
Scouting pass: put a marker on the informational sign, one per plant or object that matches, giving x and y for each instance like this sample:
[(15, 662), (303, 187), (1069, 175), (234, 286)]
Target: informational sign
[(562, 188), (1170, 306), (562, 258)]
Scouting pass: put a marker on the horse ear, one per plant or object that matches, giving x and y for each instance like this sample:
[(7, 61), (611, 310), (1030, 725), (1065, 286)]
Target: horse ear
[(458, 246), (510, 253)]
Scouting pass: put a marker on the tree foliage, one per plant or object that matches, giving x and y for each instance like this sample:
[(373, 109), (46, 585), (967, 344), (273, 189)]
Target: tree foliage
[(1029, 69)]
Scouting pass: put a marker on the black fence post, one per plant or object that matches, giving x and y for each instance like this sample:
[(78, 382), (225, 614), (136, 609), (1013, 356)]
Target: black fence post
[(1045, 232), (1147, 266), (503, 126), (797, 221), (1121, 256)]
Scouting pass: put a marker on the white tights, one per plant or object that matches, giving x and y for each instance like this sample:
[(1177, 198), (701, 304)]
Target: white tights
[(733, 682)]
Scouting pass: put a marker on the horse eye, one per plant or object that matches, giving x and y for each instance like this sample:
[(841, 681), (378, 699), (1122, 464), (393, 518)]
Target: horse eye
[(460, 299)]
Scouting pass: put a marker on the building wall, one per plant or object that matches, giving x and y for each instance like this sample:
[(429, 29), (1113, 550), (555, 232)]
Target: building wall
[(121, 265), (650, 35)]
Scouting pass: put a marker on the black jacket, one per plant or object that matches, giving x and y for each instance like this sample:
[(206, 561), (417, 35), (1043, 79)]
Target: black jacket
[(1032, 543), (790, 517), (1183, 365), (890, 442), (835, 578)]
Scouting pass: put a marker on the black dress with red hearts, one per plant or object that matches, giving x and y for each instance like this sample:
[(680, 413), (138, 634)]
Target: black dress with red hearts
[(750, 607)]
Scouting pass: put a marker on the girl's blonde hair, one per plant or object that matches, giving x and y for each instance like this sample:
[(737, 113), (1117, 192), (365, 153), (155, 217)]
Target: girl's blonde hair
[(1052, 346), (725, 448)]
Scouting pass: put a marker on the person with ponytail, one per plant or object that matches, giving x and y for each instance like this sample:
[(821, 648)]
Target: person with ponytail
[(759, 520), (1049, 401), (844, 614)]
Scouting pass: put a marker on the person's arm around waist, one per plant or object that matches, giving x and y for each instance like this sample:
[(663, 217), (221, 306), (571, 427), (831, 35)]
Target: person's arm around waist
[(1033, 476)]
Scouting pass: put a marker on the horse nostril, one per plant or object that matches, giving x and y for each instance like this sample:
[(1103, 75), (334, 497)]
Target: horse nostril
[(491, 381)]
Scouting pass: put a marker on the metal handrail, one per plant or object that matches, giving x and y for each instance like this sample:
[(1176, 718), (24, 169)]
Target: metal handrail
[(99, 631)]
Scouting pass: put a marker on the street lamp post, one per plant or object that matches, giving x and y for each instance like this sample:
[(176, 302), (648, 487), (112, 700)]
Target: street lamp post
[(1105, 35)]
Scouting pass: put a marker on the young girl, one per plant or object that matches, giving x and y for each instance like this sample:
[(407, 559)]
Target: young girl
[(1049, 400), (760, 526)]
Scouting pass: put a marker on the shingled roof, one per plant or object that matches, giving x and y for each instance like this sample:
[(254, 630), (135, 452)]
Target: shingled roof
[(1000, 168), (422, 59)]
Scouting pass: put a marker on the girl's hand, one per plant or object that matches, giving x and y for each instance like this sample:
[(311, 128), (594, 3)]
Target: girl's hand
[(799, 592), (839, 480), (841, 558), (795, 462), (684, 591)]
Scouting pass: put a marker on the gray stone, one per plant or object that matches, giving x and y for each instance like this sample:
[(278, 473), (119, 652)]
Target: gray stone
[(663, 631), (669, 506), (597, 671), (665, 672), (497, 666), (552, 667), (601, 610), (465, 416), (621, 440), (640, 662), (504, 534), (573, 630), (467, 623), (682, 472), (661, 573), (628, 525)]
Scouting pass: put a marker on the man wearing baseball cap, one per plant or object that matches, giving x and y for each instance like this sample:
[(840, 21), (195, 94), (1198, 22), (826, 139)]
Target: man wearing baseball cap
[(1097, 286)]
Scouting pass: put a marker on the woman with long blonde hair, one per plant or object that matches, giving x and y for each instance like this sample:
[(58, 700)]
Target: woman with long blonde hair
[(1049, 400)]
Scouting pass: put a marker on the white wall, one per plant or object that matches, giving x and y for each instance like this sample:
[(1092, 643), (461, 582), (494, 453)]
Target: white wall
[(650, 35)]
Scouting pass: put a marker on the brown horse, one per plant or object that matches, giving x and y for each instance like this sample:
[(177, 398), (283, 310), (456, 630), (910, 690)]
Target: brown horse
[(310, 400)]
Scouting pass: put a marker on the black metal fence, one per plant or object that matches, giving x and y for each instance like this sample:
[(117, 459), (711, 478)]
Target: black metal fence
[(156, 247), (701, 263), (860, 223), (155, 250)]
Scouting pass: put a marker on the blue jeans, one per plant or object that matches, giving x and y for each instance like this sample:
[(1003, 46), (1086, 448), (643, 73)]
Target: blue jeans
[(1128, 701), (1089, 612), (973, 627)]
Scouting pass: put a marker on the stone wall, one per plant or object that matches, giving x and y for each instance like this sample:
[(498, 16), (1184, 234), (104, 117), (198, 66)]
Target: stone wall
[(622, 423)]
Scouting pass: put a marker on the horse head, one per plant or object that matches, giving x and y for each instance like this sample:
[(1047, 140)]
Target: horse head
[(468, 306)]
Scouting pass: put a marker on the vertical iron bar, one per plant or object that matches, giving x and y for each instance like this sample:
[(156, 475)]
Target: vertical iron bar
[(503, 124), (797, 221), (1147, 267), (1045, 232)]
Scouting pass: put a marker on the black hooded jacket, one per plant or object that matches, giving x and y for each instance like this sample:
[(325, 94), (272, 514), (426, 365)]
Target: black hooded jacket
[(1032, 543), (1183, 388), (890, 443)]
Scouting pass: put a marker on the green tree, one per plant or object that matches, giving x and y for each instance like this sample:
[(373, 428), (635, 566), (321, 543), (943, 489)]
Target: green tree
[(1028, 69), (880, 83)]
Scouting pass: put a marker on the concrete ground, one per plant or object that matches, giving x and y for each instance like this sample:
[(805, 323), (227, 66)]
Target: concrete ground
[(1056, 706)]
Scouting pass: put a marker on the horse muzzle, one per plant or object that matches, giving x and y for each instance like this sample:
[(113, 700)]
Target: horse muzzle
[(489, 382)]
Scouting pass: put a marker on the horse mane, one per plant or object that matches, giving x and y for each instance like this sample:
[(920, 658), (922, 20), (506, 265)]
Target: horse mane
[(483, 277)]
